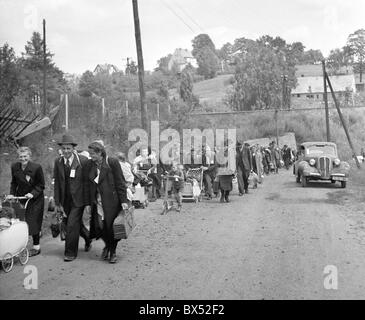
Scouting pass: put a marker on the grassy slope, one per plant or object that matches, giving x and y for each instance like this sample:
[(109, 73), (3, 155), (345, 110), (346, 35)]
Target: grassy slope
[(212, 90)]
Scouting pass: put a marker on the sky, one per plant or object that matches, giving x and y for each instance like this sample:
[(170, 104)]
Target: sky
[(84, 33)]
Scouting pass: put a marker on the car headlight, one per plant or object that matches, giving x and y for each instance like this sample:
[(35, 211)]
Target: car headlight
[(337, 162), (312, 162)]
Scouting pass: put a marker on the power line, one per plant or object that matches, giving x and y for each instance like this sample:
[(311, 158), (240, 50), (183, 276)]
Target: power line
[(189, 16), (175, 13)]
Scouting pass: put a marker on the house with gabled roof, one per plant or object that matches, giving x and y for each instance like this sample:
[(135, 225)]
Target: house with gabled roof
[(106, 67), (181, 58), (313, 88)]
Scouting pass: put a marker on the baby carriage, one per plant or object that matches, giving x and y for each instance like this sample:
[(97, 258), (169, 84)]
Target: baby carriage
[(141, 185), (13, 235), (194, 185)]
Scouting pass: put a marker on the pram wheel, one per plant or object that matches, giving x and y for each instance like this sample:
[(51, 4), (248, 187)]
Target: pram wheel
[(23, 256), (7, 263)]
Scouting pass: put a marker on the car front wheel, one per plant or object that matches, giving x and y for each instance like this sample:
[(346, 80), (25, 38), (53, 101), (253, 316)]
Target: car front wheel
[(343, 184)]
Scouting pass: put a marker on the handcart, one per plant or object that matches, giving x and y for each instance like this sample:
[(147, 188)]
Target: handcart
[(194, 185), (140, 195), (14, 240), (168, 204)]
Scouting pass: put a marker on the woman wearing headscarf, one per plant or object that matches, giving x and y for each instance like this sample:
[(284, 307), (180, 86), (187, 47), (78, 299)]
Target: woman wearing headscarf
[(28, 181), (108, 195), (224, 173)]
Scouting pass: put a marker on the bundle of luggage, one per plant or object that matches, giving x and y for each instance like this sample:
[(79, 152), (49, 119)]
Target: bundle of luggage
[(142, 179), (124, 224)]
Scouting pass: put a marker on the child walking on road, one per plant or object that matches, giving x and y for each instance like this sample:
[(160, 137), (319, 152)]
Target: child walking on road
[(177, 183)]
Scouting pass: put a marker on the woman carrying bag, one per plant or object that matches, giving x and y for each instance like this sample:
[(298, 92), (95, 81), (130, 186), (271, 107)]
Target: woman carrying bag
[(108, 196)]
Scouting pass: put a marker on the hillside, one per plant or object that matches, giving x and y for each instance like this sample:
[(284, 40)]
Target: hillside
[(212, 91)]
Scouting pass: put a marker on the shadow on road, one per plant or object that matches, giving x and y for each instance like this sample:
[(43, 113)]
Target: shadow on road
[(312, 184)]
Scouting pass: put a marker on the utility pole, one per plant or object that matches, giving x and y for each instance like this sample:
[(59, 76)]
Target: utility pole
[(103, 108), (325, 98), (343, 122), (44, 105), (277, 127), (66, 112), (142, 93)]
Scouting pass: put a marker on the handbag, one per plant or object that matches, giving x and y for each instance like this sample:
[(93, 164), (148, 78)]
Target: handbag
[(124, 224)]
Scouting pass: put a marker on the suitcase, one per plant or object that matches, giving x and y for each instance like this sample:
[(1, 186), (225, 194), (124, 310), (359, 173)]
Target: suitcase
[(124, 224)]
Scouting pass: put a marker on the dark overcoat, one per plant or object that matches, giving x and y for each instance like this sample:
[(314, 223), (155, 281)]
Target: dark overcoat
[(79, 186), (31, 180), (113, 192)]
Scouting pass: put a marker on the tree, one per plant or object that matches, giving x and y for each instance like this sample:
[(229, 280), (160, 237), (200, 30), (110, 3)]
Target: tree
[(356, 48), (258, 77), (87, 84), (186, 86), (163, 64), (337, 59), (31, 64), (9, 75), (206, 56), (225, 55), (312, 56)]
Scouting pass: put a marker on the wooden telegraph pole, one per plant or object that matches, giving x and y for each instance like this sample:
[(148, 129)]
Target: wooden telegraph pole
[(44, 104), (342, 121), (325, 98), (144, 120)]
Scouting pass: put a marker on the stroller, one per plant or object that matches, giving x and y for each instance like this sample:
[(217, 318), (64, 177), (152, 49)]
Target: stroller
[(141, 185), (13, 234), (193, 186)]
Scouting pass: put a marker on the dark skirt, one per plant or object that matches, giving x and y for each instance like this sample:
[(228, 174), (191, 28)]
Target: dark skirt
[(34, 215), (225, 182)]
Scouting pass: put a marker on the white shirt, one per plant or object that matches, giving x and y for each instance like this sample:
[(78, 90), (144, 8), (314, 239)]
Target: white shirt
[(71, 159)]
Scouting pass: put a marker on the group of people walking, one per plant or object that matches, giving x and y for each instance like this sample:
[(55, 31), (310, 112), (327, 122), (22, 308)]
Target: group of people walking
[(102, 186), (96, 186)]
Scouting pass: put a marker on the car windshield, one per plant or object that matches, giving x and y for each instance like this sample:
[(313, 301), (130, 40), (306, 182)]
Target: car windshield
[(321, 150)]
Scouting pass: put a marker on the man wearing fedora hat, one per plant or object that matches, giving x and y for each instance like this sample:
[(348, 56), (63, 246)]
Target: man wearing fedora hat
[(71, 194)]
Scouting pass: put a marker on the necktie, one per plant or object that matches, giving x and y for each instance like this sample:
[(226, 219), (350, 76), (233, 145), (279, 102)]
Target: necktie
[(68, 163)]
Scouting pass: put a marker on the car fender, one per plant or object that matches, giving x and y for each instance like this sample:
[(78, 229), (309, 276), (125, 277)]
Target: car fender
[(343, 168), (305, 169)]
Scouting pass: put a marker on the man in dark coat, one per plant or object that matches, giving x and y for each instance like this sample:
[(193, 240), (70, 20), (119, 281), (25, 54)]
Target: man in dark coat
[(244, 167), (28, 181), (71, 195), (287, 156)]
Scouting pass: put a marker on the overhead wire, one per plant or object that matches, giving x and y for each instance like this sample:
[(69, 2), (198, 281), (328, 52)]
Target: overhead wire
[(189, 16), (178, 16)]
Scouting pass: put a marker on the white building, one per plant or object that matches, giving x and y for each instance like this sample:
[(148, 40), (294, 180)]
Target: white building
[(181, 58), (313, 87)]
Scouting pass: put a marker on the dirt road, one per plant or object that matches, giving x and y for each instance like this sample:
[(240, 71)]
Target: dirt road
[(273, 243)]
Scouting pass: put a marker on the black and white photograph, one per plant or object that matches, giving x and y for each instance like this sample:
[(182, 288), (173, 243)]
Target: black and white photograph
[(161, 151)]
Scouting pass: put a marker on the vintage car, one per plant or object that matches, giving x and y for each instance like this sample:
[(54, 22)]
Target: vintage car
[(319, 161)]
